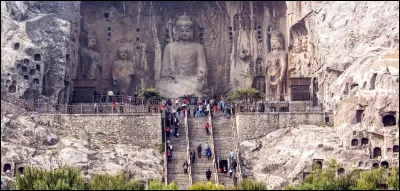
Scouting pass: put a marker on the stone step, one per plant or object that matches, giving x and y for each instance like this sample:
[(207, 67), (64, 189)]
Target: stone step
[(202, 178)]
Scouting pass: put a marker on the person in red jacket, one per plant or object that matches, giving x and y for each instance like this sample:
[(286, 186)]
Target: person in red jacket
[(168, 131), (207, 126)]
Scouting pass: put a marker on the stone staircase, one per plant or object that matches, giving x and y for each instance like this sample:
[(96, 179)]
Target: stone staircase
[(224, 143), (197, 135), (179, 155)]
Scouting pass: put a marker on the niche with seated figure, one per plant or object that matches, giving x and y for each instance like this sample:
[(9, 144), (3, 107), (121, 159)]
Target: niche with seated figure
[(384, 164), (16, 46), (12, 89), (37, 57)]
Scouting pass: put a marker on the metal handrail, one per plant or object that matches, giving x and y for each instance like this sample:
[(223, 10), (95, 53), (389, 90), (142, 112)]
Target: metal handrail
[(213, 149), (188, 151)]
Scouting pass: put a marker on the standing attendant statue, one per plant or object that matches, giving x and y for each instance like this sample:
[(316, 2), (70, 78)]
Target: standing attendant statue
[(122, 72), (276, 68)]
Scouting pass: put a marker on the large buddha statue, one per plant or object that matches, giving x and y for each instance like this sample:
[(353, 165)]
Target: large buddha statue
[(184, 67), (122, 72), (276, 68)]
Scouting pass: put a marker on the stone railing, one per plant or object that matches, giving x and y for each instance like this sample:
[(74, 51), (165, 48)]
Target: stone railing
[(274, 107), (213, 150), (165, 150), (94, 108), (17, 101), (188, 151)]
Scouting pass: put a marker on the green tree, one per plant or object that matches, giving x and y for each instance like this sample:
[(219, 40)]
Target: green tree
[(370, 180), (64, 178), (206, 186), (150, 93), (158, 185), (393, 179), (247, 184)]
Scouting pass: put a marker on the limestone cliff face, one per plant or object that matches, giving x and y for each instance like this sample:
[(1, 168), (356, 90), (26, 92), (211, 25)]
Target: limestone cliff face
[(350, 49), (39, 49)]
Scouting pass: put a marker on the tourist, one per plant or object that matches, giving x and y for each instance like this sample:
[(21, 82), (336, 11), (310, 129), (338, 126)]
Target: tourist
[(169, 156), (177, 102), (170, 147), (208, 153), (95, 108), (208, 174), (206, 146), (115, 107), (185, 167), (191, 157), (225, 170), (188, 111), (206, 126), (199, 151), (121, 109), (233, 165), (101, 109), (234, 180), (232, 155), (168, 131), (230, 172), (176, 131)]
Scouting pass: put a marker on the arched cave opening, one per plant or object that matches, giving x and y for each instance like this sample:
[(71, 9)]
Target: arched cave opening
[(388, 120), (37, 67), (377, 152), (7, 167), (360, 164), (16, 46), (317, 165), (354, 142), (8, 82), (36, 81), (340, 171), (37, 57), (364, 141), (396, 148), (384, 164), (32, 72), (26, 61), (375, 165), (12, 89), (24, 69), (21, 169), (26, 77)]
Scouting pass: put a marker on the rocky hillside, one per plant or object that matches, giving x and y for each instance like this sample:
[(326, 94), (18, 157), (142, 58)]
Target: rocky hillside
[(353, 56)]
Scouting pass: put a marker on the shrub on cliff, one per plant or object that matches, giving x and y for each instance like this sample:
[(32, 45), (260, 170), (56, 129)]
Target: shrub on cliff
[(117, 182), (150, 93), (205, 186), (247, 184), (158, 185), (64, 178)]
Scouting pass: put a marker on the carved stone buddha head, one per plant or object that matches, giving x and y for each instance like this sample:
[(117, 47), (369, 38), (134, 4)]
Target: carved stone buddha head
[(296, 45), (123, 53), (184, 28), (276, 40)]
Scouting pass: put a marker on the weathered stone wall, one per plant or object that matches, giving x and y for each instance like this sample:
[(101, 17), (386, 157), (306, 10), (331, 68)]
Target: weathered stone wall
[(10, 108), (39, 48), (255, 125), (143, 130)]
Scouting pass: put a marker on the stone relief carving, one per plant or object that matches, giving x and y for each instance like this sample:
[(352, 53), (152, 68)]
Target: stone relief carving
[(276, 68), (91, 61), (298, 50), (122, 72), (184, 68), (259, 79)]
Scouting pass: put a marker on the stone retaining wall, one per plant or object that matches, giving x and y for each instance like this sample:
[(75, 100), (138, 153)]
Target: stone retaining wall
[(254, 125), (140, 129)]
